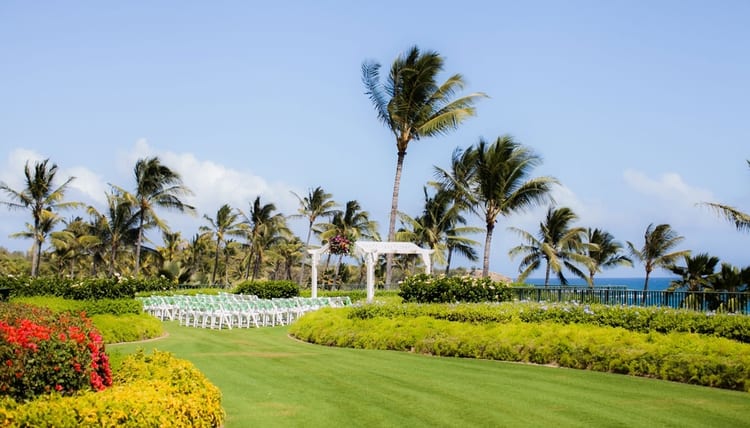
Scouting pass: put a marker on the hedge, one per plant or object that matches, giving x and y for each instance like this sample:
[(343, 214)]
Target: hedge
[(680, 357), (424, 288), (83, 289), (268, 289), (638, 319), (156, 390)]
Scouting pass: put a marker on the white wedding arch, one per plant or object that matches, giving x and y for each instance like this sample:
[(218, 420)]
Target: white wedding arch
[(371, 250)]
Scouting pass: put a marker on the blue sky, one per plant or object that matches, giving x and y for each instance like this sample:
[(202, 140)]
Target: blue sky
[(640, 109)]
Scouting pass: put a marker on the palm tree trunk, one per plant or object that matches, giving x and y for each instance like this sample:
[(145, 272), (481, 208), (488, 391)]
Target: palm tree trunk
[(138, 245), (591, 279), (302, 262), (546, 276), (112, 257), (336, 274), (448, 262), (392, 221), (487, 243), (36, 257), (216, 262), (645, 288)]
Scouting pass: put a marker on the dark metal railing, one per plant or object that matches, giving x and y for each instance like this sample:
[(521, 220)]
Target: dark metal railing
[(707, 301)]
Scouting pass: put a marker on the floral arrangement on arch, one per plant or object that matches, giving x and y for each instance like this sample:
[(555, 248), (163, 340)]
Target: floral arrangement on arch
[(341, 245)]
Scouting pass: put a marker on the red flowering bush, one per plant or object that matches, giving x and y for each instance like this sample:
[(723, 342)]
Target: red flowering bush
[(41, 352), (340, 244)]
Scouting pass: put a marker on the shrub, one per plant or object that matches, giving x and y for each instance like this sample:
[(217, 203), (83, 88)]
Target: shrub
[(127, 327), (424, 288), (644, 320), (680, 357), (156, 390), (42, 352), (84, 289), (268, 289)]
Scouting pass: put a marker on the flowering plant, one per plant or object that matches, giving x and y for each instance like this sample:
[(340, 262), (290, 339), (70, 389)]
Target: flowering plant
[(341, 244), (42, 352)]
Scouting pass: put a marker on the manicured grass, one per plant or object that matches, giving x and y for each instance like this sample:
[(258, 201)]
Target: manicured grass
[(269, 379)]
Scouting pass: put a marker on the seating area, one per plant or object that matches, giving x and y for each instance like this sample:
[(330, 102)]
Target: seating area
[(227, 310)]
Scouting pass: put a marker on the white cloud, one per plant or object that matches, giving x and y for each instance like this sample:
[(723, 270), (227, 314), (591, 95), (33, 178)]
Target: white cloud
[(669, 188)]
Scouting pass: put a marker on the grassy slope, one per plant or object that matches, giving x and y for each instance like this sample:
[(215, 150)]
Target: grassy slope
[(271, 380)]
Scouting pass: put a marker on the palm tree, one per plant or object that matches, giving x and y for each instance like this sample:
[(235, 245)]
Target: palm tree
[(264, 228), (316, 204), (603, 252), (413, 106), (42, 199), (227, 223), (697, 272), (39, 233), (499, 183), (731, 278), (440, 228), (740, 219), (655, 252), (453, 183), (353, 223), (74, 242), (557, 244), (156, 185), (116, 229)]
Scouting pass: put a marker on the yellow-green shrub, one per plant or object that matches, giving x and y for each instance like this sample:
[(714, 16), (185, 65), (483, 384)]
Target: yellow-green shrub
[(156, 390), (680, 357), (127, 328)]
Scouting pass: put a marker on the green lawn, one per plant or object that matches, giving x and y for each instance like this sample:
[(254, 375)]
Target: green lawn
[(269, 379)]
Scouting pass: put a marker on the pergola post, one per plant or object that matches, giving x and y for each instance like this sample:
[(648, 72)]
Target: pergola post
[(370, 259)]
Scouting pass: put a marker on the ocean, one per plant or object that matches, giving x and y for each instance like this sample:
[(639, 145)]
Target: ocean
[(634, 283)]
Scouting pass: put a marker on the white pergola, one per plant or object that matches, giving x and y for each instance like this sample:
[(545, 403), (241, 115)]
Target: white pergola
[(371, 250)]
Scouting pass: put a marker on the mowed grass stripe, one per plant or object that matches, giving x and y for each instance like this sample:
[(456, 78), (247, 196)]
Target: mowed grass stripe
[(270, 379)]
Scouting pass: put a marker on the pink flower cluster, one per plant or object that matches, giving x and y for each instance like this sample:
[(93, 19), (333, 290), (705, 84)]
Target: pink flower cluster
[(340, 244)]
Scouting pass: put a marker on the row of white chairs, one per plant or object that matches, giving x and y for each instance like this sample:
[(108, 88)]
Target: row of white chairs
[(234, 311)]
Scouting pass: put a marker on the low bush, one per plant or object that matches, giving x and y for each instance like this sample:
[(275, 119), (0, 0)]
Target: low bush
[(90, 307), (156, 390), (424, 288), (644, 320), (43, 352), (127, 327), (268, 289), (83, 289), (680, 357)]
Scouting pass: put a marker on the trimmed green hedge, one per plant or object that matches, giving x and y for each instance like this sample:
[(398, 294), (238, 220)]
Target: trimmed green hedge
[(425, 288), (680, 357), (644, 320), (83, 289), (156, 390), (268, 289), (91, 307)]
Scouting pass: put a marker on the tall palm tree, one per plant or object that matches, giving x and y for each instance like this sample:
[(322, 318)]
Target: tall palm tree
[(39, 233), (740, 219), (500, 184), (227, 223), (557, 243), (116, 229), (604, 252), (42, 199), (156, 185), (413, 105), (656, 251), (315, 205), (263, 228)]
